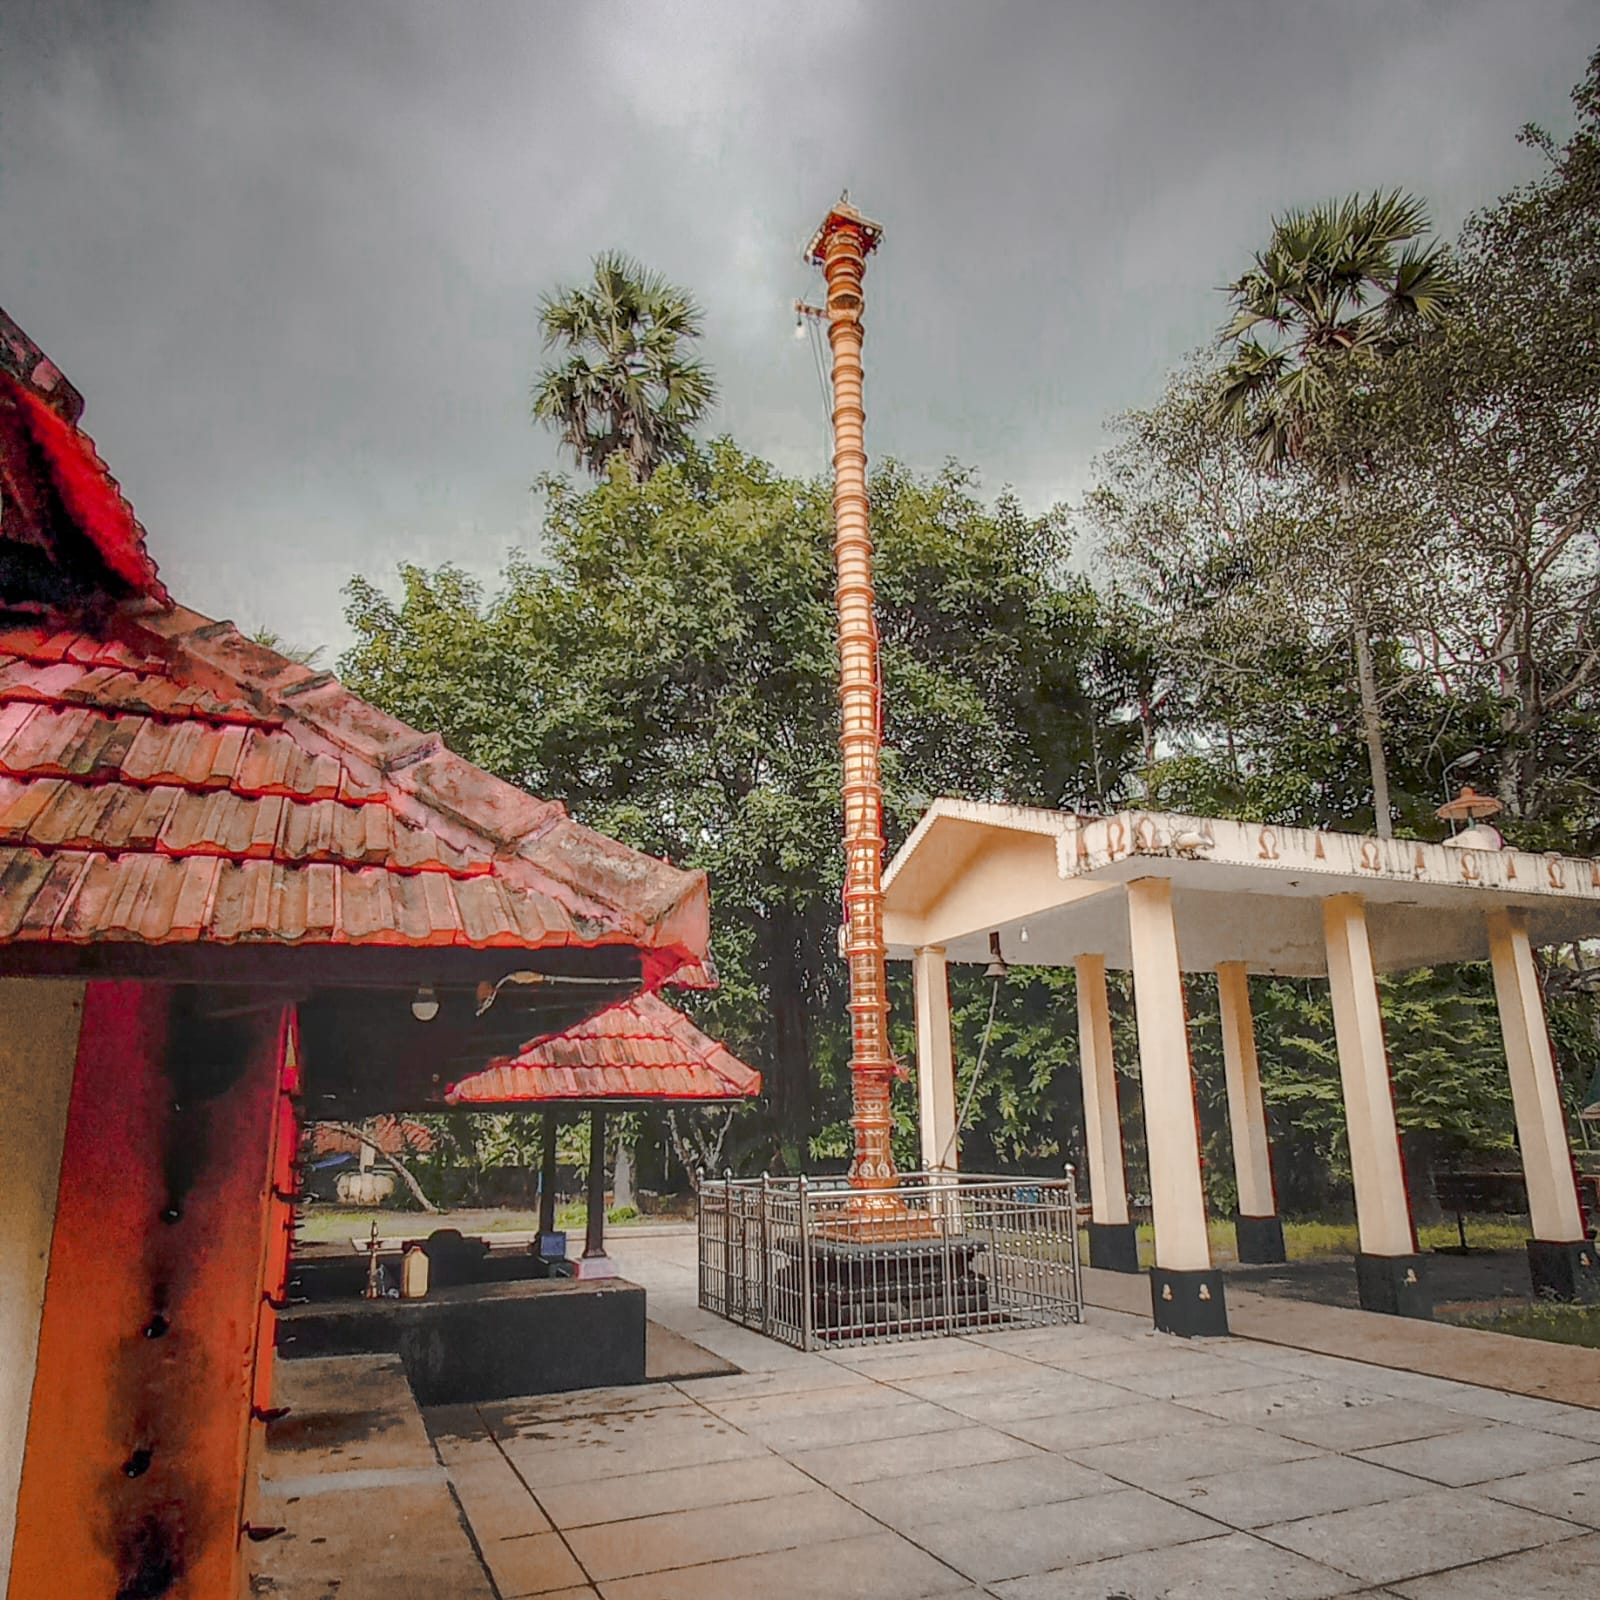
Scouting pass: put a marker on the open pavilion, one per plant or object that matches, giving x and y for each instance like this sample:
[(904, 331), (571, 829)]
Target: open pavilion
[(1160, 895)]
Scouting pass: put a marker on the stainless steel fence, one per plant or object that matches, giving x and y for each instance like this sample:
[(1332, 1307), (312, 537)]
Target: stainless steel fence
[(797, 1260)]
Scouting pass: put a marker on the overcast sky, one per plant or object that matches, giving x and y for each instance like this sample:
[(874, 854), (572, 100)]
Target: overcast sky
[(291, 250)]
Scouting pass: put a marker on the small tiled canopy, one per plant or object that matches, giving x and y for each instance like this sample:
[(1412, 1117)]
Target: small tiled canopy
[(641, 1051)]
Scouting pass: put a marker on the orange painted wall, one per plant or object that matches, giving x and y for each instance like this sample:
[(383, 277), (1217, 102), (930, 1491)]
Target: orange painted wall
[(133, 1474)]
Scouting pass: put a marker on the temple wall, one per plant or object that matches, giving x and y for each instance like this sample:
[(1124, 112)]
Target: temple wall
[(39, 1023)]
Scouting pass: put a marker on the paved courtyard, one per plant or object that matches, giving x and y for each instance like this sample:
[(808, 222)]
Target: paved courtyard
[(1102, 1462)]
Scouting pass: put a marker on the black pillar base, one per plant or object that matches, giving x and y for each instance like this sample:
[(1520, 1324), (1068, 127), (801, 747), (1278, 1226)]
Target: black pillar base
[(1394, 1285), (1114, 1246), (1565, 1271), (1260, 1240), (1188, 1303)]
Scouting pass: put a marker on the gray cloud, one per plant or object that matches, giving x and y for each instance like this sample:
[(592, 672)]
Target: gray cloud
[(292, 252)]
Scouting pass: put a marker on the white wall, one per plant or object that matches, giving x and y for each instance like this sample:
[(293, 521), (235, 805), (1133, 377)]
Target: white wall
[(39, 1021)]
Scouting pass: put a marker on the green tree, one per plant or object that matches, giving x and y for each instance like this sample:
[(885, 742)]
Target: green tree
[(626, 382), (1338, 287), (1487, 434), (670, 673)]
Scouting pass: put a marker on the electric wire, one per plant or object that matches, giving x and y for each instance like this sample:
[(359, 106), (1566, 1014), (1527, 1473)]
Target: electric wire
[(972, 1084)]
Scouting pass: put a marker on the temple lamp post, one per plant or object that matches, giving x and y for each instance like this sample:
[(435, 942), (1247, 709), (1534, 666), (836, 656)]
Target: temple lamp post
[(840, 247)]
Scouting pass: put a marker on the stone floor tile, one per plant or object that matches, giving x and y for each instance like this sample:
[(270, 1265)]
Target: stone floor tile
[(543, 1464), (1154, 1463), (745, 1410), (1036, 1539), (881, 1566), (1566, 1571), (1046, 1396), (1037, 1478), (1234, 1567), (889, 1458), (535, 1565), (859, 1426), (1075, 1343), (1294, 1397), (817, 1374), (1259, 1495), (937, 1356), (1157, 1353), (623, 1496), (1367, 1427), (1420, 1534), (1571, 1491), (1073, 1431), (1475, 1455), (1208, 1377), (717, 1533), (1527, 1411), (504, 1417), (496, 1501)]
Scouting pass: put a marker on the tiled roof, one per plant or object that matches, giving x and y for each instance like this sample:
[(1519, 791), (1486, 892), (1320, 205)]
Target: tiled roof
[(642, 1049), (389, 1135), (165, 780), (66, 507)]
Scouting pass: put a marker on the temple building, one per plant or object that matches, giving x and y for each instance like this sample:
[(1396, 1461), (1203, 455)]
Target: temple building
[(226, 885)]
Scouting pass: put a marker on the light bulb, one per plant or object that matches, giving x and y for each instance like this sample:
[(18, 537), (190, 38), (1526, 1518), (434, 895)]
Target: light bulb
[(425, 1004), (1023, 935), (799, 329)]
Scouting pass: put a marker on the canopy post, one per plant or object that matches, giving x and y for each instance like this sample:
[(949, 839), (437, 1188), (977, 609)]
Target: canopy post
[(1561, 1258), (1113, 1242), (1185, 1290), (1389, 1271), (1258, 1229)]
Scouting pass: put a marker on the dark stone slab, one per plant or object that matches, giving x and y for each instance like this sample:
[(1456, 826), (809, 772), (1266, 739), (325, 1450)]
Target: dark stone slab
[(1114, 1246), (487, 1341), (1395, 1285), (1260, 1240), (1189, 1303), (1563, 1270)]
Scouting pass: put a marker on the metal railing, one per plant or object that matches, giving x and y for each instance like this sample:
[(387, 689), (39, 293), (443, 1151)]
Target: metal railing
[(798, 1260)]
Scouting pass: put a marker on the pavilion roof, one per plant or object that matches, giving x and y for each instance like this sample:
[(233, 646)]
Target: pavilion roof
[(1049, 882), (641, 1050), (165, 781)]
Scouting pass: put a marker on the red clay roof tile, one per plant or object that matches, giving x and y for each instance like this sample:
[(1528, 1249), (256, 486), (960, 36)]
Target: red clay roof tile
[(642, 1049), (145, 794)]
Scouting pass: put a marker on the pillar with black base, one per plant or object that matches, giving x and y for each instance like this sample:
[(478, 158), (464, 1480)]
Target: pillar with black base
[(1113, 1243), (596, 1263), (1390, 1275), (1257, 1227), (936, 1068), (1185, 1291), (552, 1245), (1561, 1259)]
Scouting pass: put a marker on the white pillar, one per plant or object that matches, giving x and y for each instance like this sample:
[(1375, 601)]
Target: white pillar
[(39, 1022), (1247, 1115), (1535, 1093), (1383, 1211), (1102, 1125), (936, 1071), (1171, 1122)]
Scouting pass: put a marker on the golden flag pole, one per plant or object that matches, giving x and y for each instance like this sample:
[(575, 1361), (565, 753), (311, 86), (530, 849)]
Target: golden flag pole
[(840, 247)]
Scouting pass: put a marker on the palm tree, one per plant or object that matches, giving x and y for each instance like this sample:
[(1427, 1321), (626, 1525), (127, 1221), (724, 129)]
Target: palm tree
[(625, 383), (1344, 281)]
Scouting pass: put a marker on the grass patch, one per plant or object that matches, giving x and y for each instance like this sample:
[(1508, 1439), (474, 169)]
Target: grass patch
[(1306, 1239), (320, 1223), (1578, 1325)]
